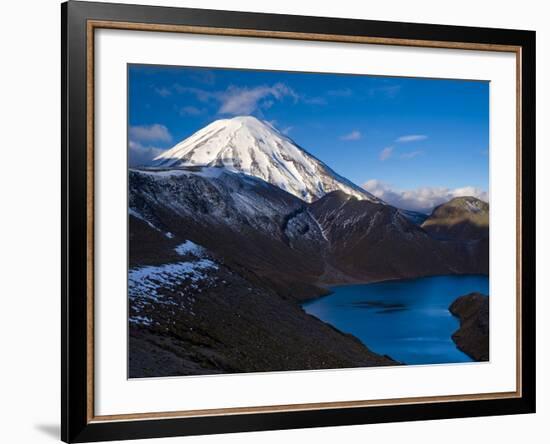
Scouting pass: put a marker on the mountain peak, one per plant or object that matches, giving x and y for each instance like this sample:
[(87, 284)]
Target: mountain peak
[(461, 218), (248, 145), (246, 119), (462, 204)]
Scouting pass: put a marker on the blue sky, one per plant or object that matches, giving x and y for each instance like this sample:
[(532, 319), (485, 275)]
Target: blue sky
[(396, 135)]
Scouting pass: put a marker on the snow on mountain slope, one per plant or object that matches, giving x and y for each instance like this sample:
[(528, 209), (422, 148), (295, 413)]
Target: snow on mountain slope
[(247, 145)]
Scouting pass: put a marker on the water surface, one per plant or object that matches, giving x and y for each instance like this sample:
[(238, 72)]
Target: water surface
[(408, 320)]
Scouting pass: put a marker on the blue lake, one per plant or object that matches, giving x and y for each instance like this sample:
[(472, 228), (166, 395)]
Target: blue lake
[(408, 320)]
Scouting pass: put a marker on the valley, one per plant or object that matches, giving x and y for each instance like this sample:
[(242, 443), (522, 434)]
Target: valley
[(234, 228)]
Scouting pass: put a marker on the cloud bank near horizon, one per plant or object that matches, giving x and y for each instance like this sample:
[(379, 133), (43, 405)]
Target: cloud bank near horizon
[(422, 199)]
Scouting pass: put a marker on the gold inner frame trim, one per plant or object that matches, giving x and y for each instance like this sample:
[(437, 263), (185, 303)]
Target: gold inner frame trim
[(97, 24)]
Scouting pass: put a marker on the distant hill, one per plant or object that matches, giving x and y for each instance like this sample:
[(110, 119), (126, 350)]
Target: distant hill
[(370, 241), (462, 218)]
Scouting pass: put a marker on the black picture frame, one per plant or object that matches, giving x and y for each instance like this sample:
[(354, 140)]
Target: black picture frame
[(76, 423)]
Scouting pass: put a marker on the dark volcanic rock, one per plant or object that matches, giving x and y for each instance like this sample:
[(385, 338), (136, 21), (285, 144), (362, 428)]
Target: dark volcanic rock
[(473, 335), (414, 216), (373, 241), (245, 220), (226, 323), (219, 262), (226, 303)]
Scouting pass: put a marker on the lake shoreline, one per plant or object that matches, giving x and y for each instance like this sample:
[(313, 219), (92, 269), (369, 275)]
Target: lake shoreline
[(472, 337), (423, 318), (329, 286)]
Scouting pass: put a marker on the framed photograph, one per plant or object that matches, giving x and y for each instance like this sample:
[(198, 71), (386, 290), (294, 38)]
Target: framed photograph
[(276, 221)]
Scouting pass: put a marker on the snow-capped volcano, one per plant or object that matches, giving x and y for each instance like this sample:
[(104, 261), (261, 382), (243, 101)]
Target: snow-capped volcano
[(247, 145)]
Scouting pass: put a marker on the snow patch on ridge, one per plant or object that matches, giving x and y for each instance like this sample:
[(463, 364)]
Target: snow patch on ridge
[(148, 283), (136, 214), (321, 229), (141, 320), (473, 206), (189, 247)]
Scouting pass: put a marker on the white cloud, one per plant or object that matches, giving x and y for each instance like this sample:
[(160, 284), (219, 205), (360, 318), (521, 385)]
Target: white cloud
[(201, 94), (344, 92), (142, 155), (313, 100), (386, 153), (411, 154), (422, 199), (141, 146), (190, 111), (163, 91), (205, 77), (354, 135), (411, 138), (275, 124), (236, 100), (389, 91), (266, 104), (149, 133)]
